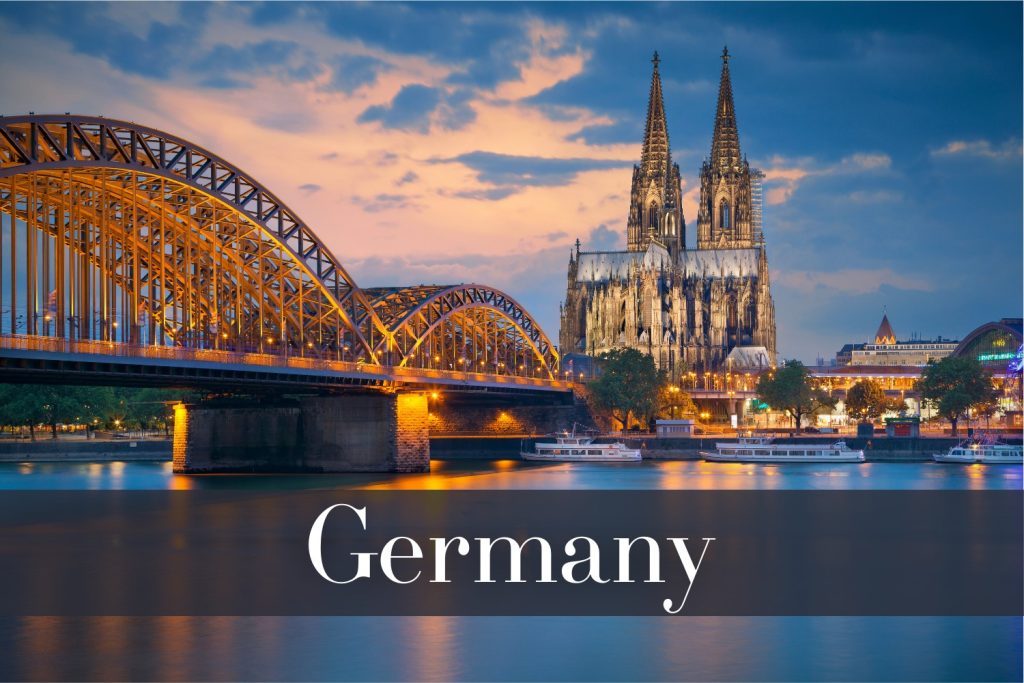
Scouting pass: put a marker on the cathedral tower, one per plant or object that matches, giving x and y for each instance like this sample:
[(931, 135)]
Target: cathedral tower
[(724, 216), (692, 310), (655, 207)]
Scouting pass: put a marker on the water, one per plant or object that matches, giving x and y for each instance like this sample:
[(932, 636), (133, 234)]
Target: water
[(503, 648)]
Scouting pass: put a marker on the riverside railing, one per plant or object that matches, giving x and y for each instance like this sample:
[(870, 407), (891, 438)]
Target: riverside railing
[(384, 373)]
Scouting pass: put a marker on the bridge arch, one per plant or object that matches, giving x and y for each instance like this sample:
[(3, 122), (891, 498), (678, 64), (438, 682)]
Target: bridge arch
[(466, 327), (119, 232)]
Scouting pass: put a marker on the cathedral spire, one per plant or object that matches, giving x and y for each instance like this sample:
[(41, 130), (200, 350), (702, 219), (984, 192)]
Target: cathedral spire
[(725, 146), (655, 155)]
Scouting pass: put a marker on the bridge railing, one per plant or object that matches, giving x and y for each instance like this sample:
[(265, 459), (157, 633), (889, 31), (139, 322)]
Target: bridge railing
[(384, 373)]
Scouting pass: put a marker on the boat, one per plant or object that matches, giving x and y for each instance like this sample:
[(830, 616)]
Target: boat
[(580, 447), (981, 451), (761, 449)]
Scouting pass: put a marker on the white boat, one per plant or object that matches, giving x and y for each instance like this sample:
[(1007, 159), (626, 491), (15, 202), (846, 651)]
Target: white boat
[(761, 449), (983, 452), (573, 447)]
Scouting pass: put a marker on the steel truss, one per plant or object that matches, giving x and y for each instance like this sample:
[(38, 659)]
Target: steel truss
[(116, 232), (466, 327)]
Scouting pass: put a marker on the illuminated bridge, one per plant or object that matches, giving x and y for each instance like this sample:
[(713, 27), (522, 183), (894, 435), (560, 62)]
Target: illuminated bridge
[(133, 256)]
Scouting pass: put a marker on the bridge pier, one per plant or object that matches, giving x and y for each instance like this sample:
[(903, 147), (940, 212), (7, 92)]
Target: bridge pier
[(345, 433)]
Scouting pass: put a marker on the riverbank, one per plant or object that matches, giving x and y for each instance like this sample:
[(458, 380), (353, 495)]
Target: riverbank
[(878, 449), (92, 450)]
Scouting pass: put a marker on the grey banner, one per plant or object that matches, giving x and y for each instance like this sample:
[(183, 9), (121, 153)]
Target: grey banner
[(773, 553)]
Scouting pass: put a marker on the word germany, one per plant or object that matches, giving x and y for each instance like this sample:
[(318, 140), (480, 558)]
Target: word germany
[(582, 562)]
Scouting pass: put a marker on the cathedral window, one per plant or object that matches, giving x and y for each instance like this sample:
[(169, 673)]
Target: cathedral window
[(724, 220), (652, 216)]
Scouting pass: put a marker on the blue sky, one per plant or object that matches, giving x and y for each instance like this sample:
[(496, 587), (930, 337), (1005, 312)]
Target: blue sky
[(475, 142)]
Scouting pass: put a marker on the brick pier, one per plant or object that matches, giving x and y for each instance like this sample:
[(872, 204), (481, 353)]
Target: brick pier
[(348, 433)]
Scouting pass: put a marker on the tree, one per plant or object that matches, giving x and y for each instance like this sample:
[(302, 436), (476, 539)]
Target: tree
[(673, 402), (952, 386), (32, 404), (151, 408), (866, 400), (628, 385), (791, 388)]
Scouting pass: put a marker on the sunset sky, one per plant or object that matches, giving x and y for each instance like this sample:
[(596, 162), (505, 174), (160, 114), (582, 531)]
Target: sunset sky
[(439, 143)]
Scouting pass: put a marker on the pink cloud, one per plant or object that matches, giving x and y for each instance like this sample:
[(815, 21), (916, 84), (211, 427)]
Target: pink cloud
[(1010, 149)]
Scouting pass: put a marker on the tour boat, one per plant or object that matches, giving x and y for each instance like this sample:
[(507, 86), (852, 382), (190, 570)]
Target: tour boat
[(573, 447), (761, 449), (981, 451)]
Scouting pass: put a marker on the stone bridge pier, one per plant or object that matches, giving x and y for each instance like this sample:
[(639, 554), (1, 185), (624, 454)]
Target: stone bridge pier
[(378, 432)]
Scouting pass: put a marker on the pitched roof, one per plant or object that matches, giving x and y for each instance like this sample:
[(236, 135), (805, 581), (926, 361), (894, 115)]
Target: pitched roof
[(885, 335)]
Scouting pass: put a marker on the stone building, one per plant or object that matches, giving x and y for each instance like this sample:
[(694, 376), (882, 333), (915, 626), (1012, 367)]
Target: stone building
[(885, 350), (687, 307)]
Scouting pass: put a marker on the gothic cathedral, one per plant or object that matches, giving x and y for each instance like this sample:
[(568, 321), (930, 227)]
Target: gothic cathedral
[(693, 309)]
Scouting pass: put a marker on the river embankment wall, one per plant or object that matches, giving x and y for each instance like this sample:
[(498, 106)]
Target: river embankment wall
[(491, 447), (876, 449), (91, 450)]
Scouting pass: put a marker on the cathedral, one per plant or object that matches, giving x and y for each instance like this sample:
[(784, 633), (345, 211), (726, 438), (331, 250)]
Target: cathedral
[(700, 308)]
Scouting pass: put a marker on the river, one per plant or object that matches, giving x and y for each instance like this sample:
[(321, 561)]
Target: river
[(507, 648)]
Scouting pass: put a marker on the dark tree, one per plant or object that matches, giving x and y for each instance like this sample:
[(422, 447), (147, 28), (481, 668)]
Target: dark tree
[(955, 385), (628, 385), (791, 388), (866, 400)]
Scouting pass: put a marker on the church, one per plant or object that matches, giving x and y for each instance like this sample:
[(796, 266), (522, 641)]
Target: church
[(701, 308)]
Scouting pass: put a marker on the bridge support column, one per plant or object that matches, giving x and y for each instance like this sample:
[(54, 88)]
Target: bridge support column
[(350, 433)]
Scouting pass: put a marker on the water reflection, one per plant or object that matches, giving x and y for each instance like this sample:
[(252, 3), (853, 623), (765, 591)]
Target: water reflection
[(516, 474), (500, 648)]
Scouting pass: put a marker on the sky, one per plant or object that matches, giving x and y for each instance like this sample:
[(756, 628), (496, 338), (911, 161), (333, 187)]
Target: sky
[(445, 143)]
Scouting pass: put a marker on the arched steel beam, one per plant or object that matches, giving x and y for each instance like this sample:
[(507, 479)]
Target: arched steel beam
[(452, 299), (153, 208), (51, 142)]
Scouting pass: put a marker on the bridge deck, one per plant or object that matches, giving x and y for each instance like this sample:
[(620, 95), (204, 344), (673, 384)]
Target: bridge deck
[(31, 358)]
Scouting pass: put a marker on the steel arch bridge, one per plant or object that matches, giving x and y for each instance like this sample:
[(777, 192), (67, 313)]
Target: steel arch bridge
[(123, 240)]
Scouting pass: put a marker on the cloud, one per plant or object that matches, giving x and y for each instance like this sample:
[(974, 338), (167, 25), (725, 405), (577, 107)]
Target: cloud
[(875, 196), (416, 107), (851, 280), (235, 66), (351, 72), (509, 171), (783, 176), (492, 195), (409, 177), (603, 238), (310, 188), (385, 202), (1009, 150)]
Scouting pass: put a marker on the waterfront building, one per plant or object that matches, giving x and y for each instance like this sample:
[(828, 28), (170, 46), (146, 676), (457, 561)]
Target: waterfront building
[(885, 350), (999, 346), (687, 306)]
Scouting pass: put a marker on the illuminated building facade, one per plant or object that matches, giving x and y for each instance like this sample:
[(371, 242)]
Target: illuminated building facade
[(886, 351), (686, 307)]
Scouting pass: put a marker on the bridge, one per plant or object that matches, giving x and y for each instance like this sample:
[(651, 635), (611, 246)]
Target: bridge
[(130, 255)]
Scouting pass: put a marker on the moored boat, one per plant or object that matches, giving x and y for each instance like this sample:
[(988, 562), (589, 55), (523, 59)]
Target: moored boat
[(573, 447), (978, 451), (761, 449)]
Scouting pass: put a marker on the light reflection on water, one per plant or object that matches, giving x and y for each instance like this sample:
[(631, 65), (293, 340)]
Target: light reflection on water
[(514, 648), (504, 648), (515, 474)]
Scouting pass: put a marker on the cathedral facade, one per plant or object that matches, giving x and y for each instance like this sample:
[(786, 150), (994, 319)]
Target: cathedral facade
[(693, 309)]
